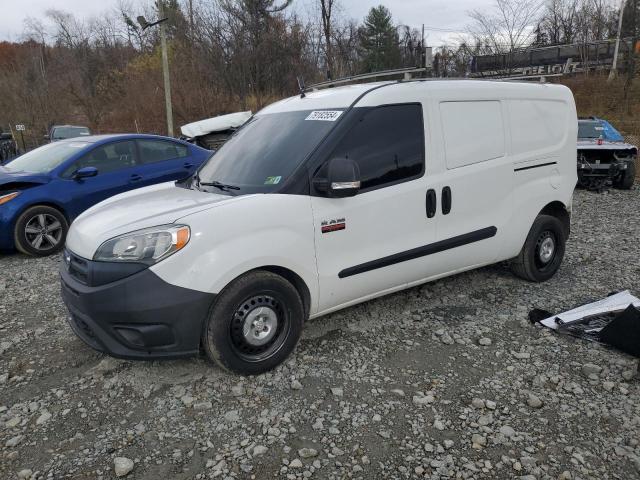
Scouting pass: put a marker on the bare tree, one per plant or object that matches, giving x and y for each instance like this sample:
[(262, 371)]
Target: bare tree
[(410, 45), (509, 26), (326, 9), (347, 42), (577, 21)]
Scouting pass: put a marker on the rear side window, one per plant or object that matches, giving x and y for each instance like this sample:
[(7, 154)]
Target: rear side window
[(388, 145), (537, 124), (153, 151), (107, 158), (473, 132)]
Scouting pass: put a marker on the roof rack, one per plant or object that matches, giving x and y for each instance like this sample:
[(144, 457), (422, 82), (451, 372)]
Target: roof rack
[(407, 74)]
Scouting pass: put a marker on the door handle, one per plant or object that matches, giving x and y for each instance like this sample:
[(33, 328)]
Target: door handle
[(431, 203), (188, 165), (446, 200), (135, 178)]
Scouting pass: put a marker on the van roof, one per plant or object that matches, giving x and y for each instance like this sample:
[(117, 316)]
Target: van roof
[(393, 91)]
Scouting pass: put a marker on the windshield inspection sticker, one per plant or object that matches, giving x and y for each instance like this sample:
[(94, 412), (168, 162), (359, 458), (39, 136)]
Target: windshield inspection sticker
[(272, 180), (325, 115)]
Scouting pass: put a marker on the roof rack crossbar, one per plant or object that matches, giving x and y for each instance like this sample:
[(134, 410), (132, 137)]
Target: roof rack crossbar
[(406, 72)]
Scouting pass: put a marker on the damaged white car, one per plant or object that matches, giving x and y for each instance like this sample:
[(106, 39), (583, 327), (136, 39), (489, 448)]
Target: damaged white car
[(211, 133)]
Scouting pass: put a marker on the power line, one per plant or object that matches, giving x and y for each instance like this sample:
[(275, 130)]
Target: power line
[(443, 30)]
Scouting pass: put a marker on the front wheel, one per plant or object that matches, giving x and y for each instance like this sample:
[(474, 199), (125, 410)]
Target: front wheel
[(254, 324), (543, 251), (40, 231)]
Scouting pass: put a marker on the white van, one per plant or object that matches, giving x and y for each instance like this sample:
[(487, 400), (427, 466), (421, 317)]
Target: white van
[(322, 201)]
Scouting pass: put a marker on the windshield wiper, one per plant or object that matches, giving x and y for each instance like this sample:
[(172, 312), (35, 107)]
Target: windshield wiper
[(222, 186)]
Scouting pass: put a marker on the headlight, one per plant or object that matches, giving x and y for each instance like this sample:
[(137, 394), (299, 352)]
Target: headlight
[(144, 246), (8, 196)]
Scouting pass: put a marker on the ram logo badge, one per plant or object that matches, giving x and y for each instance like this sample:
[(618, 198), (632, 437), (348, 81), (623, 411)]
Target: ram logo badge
[(329, 226)]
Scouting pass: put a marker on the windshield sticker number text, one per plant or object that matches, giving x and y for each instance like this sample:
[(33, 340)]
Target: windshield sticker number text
[(324, 115)]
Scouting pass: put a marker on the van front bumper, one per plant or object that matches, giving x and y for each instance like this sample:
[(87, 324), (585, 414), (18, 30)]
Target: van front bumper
[(139, 316)]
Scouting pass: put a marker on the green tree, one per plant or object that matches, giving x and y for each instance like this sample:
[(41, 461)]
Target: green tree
[(379, 42)]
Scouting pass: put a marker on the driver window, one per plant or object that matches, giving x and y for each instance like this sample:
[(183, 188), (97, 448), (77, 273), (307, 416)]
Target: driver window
[(107, 158), (388, 145)]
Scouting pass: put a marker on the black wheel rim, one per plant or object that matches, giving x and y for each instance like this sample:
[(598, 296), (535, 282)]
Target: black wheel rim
[(546, 250), (259, 327), (43, 232)]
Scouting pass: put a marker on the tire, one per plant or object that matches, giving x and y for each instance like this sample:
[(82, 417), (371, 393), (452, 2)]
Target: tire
[(628, 177), (543, 251), (258, 299), (40, 231)]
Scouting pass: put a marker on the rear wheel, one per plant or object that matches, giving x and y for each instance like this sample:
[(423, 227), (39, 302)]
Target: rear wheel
[(255, 323), (543, 251), (40, 231), (628, 177)]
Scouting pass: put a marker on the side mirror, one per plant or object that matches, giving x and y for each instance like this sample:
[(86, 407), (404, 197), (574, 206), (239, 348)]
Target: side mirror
[(343, 179), (85, 172)]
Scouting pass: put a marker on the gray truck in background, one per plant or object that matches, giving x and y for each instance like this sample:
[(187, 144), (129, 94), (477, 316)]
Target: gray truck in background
[(62, 132)]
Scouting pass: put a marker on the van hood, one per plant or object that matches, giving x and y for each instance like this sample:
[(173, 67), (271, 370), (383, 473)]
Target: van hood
[(142, 208)]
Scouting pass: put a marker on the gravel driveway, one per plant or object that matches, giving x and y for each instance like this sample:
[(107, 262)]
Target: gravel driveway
[(446, 380)]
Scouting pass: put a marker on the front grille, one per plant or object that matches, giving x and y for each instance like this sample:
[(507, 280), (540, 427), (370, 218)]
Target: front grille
[(78, 267)]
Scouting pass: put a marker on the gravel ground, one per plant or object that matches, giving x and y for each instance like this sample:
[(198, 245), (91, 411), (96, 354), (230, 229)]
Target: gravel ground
[(446, 380)]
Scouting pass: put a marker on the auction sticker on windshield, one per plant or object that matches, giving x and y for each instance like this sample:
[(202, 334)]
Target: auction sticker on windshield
[(324, 115)]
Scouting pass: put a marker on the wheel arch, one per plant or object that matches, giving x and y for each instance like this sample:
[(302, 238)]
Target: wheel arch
[(559, 210), (289, 275), (44, 204), (294, 279)]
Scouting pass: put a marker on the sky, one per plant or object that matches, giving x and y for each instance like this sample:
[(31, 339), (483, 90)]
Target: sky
[(437, 15)]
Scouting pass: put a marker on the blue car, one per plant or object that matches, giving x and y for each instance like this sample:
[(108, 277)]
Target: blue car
[(42, 191)]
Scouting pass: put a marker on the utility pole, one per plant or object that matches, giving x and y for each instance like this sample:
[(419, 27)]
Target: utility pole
[(423, 53), (165, 61), (165, 70), (614, 67)]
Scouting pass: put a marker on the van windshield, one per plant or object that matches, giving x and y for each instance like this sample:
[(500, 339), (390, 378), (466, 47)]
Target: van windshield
[(265, 152)]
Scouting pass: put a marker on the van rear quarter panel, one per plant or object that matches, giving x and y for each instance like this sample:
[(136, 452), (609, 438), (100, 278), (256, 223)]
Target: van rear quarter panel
[(258, 231), (543, 130)]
